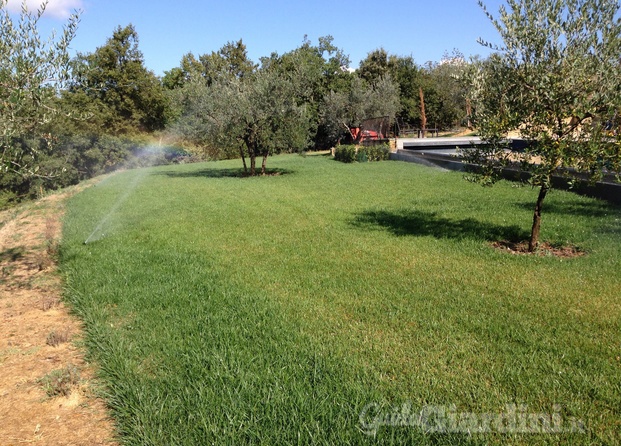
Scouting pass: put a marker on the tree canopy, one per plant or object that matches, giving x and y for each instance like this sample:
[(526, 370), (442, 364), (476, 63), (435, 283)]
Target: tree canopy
[(299, 100), (114, 78), (254, 114), (32, 70), (65, 120)]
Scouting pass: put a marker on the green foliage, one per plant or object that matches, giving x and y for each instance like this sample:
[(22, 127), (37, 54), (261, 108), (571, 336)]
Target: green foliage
[(31, 71), (221, 102), (230, 61), (129, 98), (375, 66), (361, 101), (55, 137), (98, 154), (345, 153), (7, 198), (56, 163), (311, 72), (378, 152), (332, 97), (547, 84), (72, 159), (409, 77), (256, 115), (362, 154), (344, 109), (444, 94), (190, 68), (314, 70)]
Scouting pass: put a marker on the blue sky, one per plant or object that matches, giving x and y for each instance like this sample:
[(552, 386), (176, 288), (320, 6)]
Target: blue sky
[(169, 29)]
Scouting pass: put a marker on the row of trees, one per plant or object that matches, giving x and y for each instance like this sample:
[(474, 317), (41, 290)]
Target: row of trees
[(63, 120), (56, 111), (306, 98), (554, 79)]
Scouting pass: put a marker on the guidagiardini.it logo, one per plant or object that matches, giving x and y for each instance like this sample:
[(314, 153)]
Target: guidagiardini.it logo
[(514, 419)]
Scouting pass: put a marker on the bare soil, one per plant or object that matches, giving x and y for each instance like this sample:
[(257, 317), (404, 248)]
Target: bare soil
[(543, 249), (47, 390)]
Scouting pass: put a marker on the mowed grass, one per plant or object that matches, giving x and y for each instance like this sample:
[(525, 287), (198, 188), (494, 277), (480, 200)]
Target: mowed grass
[(275, 310)]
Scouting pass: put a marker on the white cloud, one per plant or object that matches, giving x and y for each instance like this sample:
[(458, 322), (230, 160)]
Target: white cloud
[(60, 9)]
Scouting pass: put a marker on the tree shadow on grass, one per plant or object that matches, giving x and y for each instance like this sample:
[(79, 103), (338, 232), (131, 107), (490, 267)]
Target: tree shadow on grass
[(220, 173), (419, 223), (587, 209)]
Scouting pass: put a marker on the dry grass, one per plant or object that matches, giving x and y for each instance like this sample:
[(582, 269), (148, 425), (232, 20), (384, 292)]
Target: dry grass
[(40, 401), (61, 382), (55, 338)]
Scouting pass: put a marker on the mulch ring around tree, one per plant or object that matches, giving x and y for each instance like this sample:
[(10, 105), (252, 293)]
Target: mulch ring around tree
[(543, 249)]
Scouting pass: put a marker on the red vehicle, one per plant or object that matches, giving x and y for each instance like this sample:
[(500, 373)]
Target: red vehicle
[(370, 129)]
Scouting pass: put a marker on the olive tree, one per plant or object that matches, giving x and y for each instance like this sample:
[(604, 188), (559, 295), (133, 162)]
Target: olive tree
[(314, 70), (256, 115), (555, 81), (31, 72), (266, 118)]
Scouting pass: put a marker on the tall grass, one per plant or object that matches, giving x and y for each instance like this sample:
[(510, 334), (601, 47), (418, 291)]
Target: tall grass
[(274, 310)]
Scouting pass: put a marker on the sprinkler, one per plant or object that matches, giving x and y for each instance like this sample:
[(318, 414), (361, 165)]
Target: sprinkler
[(91, 239)]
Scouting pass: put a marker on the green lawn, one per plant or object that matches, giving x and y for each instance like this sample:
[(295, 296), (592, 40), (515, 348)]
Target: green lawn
[(274, 310)]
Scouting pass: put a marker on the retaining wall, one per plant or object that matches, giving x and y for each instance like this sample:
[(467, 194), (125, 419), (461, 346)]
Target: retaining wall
[(605, 190)]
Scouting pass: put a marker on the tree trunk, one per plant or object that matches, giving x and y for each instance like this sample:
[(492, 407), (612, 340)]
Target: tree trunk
[(264, 163), (253, 164), (423, 115), (243, 157), (534, 234), (469, 113)]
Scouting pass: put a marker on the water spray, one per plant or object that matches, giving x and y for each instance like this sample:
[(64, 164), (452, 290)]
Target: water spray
[(102, 235), (97, 234)]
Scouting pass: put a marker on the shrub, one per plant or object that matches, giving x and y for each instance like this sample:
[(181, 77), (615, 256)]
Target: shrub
[(362, 154), (72, 159), (345, 154), (7, 198), (378, 153)]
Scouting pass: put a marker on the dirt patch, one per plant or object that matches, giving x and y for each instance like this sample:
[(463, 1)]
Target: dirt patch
[(47, 390), (543, 249)]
